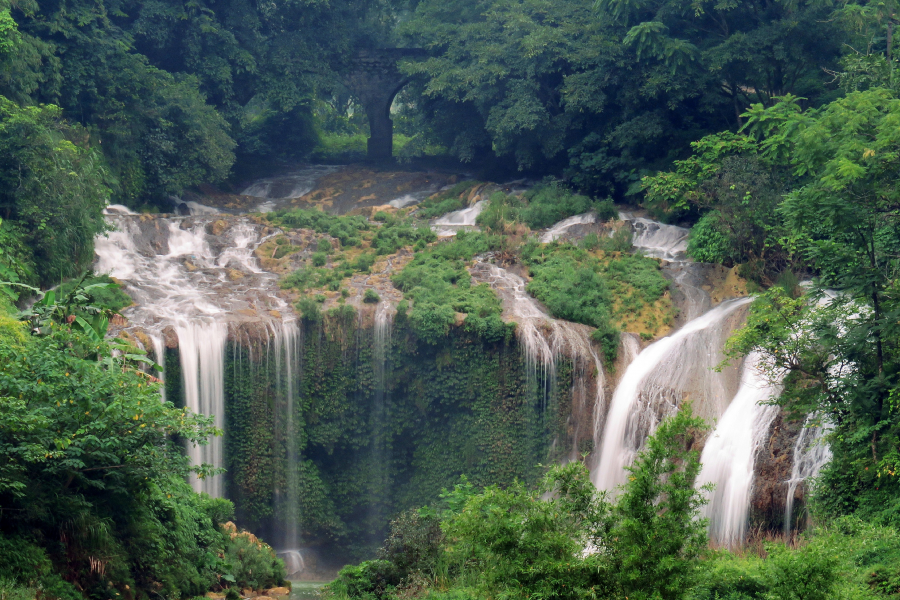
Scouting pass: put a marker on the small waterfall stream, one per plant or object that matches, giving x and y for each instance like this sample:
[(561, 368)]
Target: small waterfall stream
[(729, 455), (811, 453), (545, 339)]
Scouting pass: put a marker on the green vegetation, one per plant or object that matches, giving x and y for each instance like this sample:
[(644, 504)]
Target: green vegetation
[(540, 207), (92, 472), (521, 542), (440, 286), (345, 229), (54, 187), (579, 286)]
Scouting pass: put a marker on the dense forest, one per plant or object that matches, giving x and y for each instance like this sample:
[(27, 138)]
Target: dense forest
[(771, 128)]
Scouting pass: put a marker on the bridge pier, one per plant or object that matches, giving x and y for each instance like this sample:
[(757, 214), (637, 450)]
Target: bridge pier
[(374, 79)]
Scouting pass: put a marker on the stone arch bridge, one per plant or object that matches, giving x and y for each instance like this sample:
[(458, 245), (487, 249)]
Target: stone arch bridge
[(372, 76)]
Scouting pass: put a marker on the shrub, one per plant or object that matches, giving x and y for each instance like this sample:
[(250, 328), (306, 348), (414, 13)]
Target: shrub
[(551, 202), (414, 543), (606, 210), (319, 259), (371, 297), (807, 573), (708, 243), (369, 579), (253, 564), (439, 285), (323, 246)]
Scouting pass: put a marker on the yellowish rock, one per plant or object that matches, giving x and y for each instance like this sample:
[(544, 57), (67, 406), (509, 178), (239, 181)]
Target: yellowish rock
[(278, 591), (219, 227), (234, 274)]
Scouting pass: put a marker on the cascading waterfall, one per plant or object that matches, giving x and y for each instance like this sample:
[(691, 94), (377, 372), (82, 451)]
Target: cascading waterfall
[(811, 453), (544, 339), (560, 228), (452, 222), (676, 368), (729, 455), (201, 348), (278, 191), (657, 239), (201, 286)]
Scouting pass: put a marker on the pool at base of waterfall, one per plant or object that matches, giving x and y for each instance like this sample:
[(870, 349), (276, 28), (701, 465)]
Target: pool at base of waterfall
[(306, 590)]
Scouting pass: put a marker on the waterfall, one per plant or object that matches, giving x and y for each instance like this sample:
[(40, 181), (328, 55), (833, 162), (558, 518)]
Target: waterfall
[(544, 339), (811, 453), (278, 191), (201, 347), (159, 355), (662, 376), (729, 455), (657, 239), (198, 278), (560, 228), (379, 473), (452, 222), (284, 345)]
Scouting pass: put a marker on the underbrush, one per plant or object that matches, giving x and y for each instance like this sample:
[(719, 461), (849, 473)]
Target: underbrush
[(439, 285), (540, 207), (518, 542), (110, 296), (346, 228), (601, 291)]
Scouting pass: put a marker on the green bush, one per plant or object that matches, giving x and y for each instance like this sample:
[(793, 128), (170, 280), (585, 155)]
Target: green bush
[(414, 543), (708, 243), (371, 297), (439, 285), (346, 228), (111, 296), (319, 259), (370, 579), (807, 573), (364, 262), (323, 246), (551, 202), (252, 563), (399, 233)]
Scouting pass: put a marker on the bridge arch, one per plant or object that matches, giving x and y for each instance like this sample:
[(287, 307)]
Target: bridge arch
[(373, 77)]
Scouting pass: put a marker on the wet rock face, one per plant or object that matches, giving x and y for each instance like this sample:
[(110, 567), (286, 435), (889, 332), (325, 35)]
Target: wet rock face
[(182, 269), (773, 469)]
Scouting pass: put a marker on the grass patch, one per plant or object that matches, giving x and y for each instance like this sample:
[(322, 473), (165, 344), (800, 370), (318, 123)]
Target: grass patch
[(347, 228), (398, 233), (438, 284), (540, 207), (597, 290)]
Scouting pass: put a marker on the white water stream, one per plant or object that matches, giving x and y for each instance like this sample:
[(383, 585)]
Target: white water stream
[(670, 371), (277, 192), (545, 339), (452, 222), (811, 453), (197, 286), (729, 456), (555, 232)]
